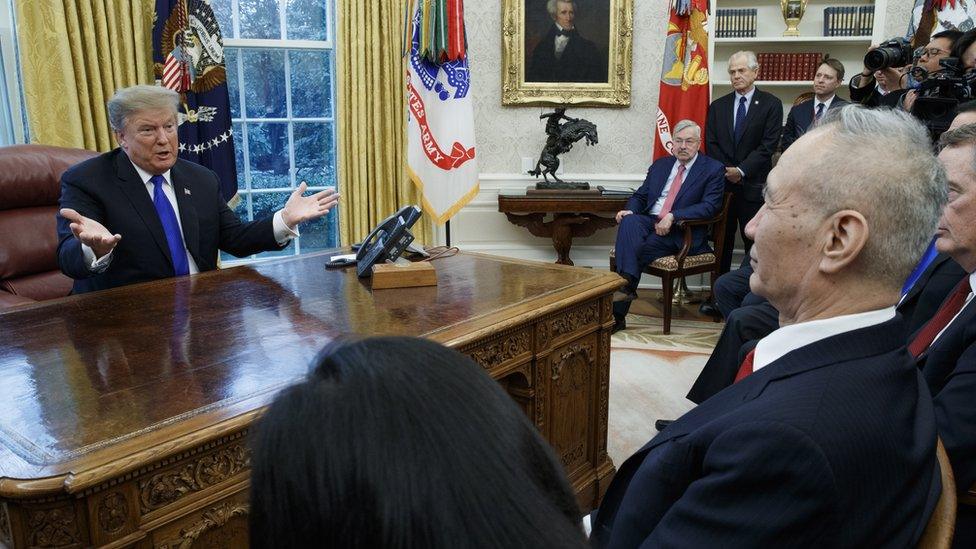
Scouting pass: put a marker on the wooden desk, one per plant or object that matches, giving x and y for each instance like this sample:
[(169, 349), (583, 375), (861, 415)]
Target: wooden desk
[(125, 413), (574, 215)]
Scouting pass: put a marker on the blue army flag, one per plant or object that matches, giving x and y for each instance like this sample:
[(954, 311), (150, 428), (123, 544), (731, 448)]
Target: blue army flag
[(188, 55)]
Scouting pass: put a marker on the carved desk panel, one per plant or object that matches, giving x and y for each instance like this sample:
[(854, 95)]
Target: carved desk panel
[(126, 412)]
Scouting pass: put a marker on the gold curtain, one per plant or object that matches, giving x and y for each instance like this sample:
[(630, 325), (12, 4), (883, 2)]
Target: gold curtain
[(74, 55), (373, 180)]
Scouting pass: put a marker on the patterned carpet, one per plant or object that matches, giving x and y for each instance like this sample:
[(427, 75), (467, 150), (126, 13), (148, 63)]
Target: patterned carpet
[(650, 374)]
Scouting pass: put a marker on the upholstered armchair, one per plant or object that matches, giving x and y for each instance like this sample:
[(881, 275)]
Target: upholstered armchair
[(29, 192)]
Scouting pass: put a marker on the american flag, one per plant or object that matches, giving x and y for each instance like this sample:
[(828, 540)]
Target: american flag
[(176, 68)]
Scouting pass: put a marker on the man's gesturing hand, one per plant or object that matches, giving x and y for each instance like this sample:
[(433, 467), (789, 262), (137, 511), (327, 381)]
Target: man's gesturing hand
[(300, 208), (90, 232)]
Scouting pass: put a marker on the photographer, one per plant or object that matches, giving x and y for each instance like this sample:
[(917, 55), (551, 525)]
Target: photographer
[(883, 75), (938, 48)]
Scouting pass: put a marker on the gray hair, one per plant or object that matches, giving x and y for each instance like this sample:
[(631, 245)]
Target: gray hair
[(961, 136), (551, 6), (128, 101), (751, 60), (682, 124), (889, 175)]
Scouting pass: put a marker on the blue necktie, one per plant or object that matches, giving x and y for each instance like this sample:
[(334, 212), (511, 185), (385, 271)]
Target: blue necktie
[(181, 266), (740, 119), (820, 108), (928, 256)]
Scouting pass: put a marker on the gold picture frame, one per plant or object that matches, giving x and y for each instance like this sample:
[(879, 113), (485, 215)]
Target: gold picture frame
[(517, 59)]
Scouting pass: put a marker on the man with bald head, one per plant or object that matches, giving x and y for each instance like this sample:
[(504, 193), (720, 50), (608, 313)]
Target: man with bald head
[(828, 436)]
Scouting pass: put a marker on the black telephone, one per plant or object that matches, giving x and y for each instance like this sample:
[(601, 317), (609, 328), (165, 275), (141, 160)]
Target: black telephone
[(387, 241)]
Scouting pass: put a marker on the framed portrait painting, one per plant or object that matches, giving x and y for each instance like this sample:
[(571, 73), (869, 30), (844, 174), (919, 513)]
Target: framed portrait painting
[(567, 52)]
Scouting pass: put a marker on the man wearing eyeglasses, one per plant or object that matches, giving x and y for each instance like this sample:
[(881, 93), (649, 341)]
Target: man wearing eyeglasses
[(688, 185), (928, 58)]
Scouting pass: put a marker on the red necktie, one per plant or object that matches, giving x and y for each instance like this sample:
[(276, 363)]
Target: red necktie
[(672, 192), (746, 367), (949, 309)]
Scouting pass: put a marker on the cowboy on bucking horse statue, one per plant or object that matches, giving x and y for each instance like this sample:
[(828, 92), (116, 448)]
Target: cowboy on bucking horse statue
[(562, 135)]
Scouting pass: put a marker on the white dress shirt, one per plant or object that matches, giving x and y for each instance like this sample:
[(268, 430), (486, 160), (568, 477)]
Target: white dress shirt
[(560, 44), (659, 203), (282, 232), (826, 104), (792, 337)]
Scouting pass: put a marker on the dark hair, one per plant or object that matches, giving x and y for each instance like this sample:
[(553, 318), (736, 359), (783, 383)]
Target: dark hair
[(402, 442), (962, 44), (952, 34), (834, 64)]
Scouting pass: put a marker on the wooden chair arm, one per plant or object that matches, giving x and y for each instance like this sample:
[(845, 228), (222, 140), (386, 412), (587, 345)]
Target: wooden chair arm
[(686, 225)]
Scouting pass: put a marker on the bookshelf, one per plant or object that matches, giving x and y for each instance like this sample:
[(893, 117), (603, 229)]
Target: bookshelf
[(769, 38)]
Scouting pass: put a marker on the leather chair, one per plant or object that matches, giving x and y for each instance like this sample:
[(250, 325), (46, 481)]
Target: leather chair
[(29, 191), (675, 267), (942, 525)]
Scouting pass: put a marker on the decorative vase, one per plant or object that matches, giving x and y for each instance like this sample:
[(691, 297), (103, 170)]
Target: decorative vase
[(793, 11)]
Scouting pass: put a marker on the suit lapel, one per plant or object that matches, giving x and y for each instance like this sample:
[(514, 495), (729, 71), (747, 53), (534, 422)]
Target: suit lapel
[(188, 213), (808, 115), (689, 178), (134, 190), (923, 278)]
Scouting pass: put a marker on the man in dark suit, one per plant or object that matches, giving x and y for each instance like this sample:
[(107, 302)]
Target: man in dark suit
[(563, 55), (742, 131), (688, 185), (829, 438), (829, 76), (945, 347), (139, 213)]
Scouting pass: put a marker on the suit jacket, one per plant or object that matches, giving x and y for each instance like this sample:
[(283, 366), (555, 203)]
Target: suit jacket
[(108, 189), (754, 151), (832, 445), (800, 119), (581, 61), (700, 196), (929, 291)]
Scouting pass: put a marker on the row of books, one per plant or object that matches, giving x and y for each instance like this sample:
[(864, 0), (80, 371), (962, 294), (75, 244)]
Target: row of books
[(848, 21), (735, 23), (788, 66)]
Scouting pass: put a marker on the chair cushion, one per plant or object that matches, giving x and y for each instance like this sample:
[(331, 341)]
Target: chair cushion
[(30, 241), (670, 262), (10, 300), (39, 286)]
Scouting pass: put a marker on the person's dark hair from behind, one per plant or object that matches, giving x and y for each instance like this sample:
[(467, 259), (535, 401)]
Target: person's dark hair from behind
[(402, 442), (962, 44), (952, 34)]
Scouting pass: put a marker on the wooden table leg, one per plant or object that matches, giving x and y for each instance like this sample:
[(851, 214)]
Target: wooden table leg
[(562, 229)]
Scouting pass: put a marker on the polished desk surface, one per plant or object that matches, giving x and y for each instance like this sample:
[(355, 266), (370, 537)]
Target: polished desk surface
[(160, 366)]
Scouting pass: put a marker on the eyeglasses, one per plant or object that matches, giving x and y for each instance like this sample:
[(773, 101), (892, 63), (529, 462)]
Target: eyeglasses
[(931, 52), (691, 141)]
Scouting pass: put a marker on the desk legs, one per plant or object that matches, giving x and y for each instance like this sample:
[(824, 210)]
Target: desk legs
[(562, 229)]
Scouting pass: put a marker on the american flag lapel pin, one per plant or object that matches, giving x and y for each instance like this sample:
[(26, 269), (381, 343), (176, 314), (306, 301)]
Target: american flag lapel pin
[(185, 190)]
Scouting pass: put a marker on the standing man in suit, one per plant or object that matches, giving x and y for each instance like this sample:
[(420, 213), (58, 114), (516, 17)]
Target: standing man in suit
[(140, 213), (563, 55), (742, 130), (830, 75), (688, 185), (945, 347), (829, 437)]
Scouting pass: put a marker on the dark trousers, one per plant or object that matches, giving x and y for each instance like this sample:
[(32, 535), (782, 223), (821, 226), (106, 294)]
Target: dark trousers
[(732, 288), (637, 245), (743, 328), (741, 211)]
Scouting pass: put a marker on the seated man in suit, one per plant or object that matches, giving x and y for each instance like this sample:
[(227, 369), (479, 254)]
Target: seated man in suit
[(688, 185), (829, 438), (140, 213), (829, 76), (945, 347)]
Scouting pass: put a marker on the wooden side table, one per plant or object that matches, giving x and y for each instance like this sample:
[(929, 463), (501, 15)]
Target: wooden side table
[(574, 215)]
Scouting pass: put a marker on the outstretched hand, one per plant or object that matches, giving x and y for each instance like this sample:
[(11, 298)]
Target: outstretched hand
[(90, 232), (300, 209)]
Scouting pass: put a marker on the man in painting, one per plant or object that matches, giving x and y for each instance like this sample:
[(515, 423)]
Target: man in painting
[(563, 55)]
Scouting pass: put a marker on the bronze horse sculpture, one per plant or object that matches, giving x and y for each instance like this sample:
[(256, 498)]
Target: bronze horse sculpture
[(560, 140)]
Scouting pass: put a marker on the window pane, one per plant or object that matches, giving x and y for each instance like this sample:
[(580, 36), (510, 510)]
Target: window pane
[(259, 19), (264, 77), (311, 84), (268, 155), (314, 154), (239, 156), (306, 19), (233, 91), (222, 11), (265, 205), (241, 210), (320, 234)]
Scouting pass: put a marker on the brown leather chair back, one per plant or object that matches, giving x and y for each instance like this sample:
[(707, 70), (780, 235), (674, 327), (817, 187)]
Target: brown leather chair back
[(29, 191)]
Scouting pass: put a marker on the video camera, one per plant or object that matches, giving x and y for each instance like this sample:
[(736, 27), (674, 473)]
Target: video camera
[(896, 52), (940, 93)]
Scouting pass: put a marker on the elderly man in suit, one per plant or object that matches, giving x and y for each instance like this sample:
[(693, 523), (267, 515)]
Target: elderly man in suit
[(139, 213), (830, 75), (742, 131), (687, 185), (829, 436), (563, 55), (945, 347)]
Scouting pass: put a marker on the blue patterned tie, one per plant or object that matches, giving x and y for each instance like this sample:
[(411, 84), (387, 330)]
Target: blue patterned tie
[(740, 119), (181, 266), (820, 108)]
